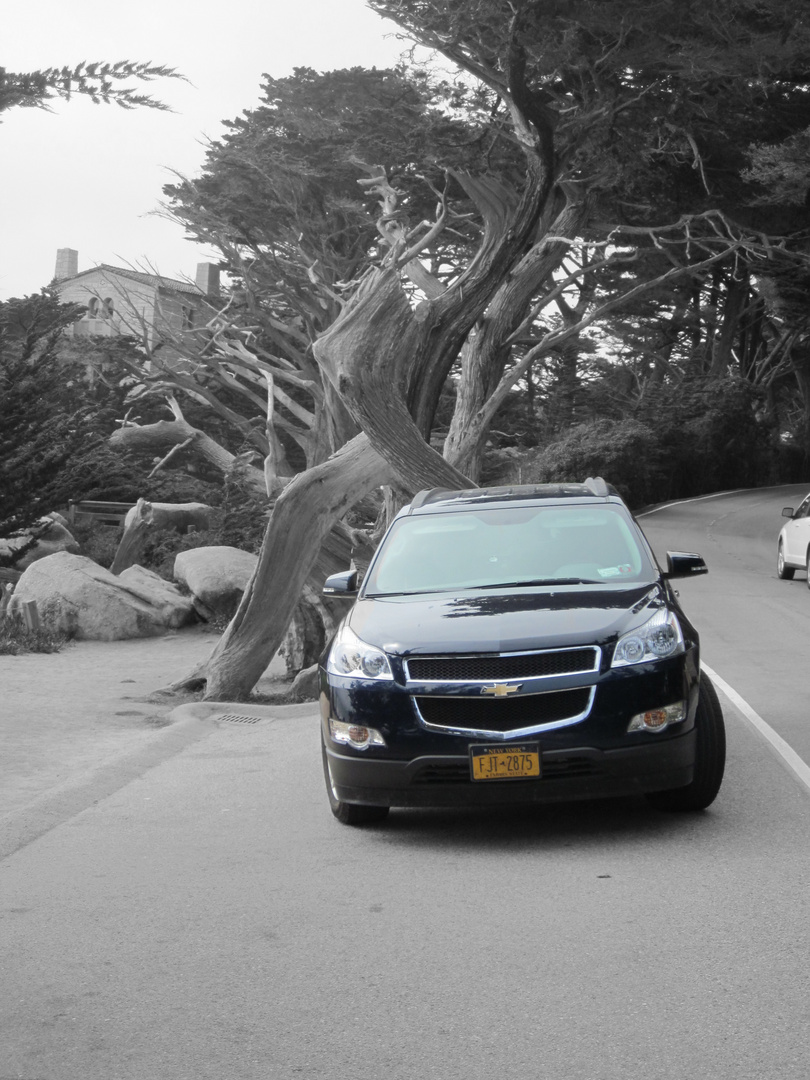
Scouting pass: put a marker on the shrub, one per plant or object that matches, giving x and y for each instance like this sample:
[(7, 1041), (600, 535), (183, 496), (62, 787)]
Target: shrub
[(626, 453), (693, 438), (15, 638)]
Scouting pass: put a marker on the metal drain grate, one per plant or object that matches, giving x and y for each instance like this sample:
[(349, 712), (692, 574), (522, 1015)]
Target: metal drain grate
[(236, 718)]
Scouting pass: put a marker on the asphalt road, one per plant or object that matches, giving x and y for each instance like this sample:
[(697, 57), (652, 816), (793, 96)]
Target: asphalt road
[(209, 920)]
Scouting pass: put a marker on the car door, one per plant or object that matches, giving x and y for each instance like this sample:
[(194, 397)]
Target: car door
[(797, 535)]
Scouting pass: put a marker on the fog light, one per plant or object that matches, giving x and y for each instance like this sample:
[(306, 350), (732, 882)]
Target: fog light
[(355, 735), (658, 719)]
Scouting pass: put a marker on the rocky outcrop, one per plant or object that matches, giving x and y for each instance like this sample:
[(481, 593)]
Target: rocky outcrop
[(44, 538), (216, 577), (78, 597)]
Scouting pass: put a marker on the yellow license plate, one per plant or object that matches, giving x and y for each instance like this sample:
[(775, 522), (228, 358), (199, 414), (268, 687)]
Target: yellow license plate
[(505, 762)]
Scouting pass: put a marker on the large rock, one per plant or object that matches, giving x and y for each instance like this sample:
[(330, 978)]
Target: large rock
[(216, 577), (51, 535), (75, 595)]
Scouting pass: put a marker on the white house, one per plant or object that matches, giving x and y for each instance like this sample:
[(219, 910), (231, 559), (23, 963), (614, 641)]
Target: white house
[(129, 302)]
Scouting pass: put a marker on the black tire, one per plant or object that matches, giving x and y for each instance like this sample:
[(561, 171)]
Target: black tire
[(783, 572), (710, 758), (350, 813), (807, 568)]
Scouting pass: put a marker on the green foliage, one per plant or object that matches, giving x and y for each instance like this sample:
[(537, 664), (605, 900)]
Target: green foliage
[(782, 170), (97, 542), (96, 81), (16, 638), (688, 440), (288, 170)]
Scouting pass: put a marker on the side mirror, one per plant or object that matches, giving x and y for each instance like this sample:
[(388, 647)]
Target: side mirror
[(682, 564), (343, 584), (787, 511)]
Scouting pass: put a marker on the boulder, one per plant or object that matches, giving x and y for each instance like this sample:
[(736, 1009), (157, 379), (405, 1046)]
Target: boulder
[(50, 535), (78, 597), (216, 577)]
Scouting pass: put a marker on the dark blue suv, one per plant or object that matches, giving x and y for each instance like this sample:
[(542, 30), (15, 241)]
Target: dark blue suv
[(516, 645)]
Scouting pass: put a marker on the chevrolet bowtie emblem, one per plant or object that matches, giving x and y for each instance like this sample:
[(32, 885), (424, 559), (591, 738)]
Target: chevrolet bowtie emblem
[(500, 689)]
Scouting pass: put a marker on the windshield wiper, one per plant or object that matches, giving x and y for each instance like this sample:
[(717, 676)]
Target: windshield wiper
[(412, 592), (539, 581)]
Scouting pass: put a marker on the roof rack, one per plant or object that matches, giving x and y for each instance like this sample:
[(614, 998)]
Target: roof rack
[(425, 496), (598, 486)]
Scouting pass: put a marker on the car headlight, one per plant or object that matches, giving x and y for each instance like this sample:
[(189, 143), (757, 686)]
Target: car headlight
[(352, 657), (659, 637)]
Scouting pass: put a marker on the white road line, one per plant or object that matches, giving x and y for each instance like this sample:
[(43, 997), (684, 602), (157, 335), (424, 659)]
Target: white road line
[(799, 768), (682, 502)]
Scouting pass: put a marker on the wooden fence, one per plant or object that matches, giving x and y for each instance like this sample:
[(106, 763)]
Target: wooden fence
[(27, 609), (105, 513)]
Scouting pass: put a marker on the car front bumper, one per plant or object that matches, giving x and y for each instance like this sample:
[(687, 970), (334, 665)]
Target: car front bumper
[(569, 774)]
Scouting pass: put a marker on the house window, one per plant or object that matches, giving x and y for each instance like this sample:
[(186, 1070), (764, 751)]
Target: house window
[(188, 317), (108, 308), (92, 307)]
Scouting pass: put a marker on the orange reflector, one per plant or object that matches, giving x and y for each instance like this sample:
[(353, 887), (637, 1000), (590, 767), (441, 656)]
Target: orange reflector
[(655, 718)]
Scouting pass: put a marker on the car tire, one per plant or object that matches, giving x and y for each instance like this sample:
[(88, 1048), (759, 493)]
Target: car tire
[(710, 758), (783, 571), (350, 813), (807, 568)]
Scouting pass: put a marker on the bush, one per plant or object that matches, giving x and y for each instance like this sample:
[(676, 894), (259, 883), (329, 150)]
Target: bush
[(626, 453), (97, 542), (161, 549), (15, 638), (700, 436)]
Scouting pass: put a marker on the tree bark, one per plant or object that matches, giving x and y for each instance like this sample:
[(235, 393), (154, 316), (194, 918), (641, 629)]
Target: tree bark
[(367, 355), (303, 516), (485, 353), (168, 433)]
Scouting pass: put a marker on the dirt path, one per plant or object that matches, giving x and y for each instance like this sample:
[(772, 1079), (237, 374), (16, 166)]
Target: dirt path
[(63, 714)]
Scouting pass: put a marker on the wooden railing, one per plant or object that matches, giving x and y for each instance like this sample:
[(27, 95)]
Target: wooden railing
[(105, 513)]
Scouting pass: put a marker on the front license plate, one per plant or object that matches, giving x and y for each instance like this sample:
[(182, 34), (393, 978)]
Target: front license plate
[(505, 762)]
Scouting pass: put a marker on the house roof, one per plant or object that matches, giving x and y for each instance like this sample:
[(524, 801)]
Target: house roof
[(160, 282)]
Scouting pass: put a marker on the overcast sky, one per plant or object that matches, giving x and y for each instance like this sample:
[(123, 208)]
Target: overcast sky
[(89, 176)]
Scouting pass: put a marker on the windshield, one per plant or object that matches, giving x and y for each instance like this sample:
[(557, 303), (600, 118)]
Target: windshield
[(487, 549)]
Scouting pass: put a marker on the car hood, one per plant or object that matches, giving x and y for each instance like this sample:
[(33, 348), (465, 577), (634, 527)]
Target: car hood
[(501, 621)]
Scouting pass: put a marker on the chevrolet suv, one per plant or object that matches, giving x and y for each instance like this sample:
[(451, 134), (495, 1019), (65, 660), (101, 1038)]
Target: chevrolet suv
[(516, 645)]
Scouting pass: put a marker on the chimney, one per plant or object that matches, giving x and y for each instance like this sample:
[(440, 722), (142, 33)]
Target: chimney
[(207, 279), (67, 263)]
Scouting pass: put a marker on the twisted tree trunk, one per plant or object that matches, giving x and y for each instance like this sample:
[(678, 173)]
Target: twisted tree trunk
[(303, 516)]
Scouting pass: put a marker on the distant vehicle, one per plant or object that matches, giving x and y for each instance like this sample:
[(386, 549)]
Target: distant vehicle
[(516, 645), (793, 550)]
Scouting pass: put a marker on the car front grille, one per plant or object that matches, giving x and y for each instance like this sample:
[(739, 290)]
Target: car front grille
[(497, 668), (504, 714)]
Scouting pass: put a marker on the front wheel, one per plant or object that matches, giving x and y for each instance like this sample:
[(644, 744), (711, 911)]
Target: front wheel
[(784, 572), (807, 568), (710, 758), (349, 813)]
